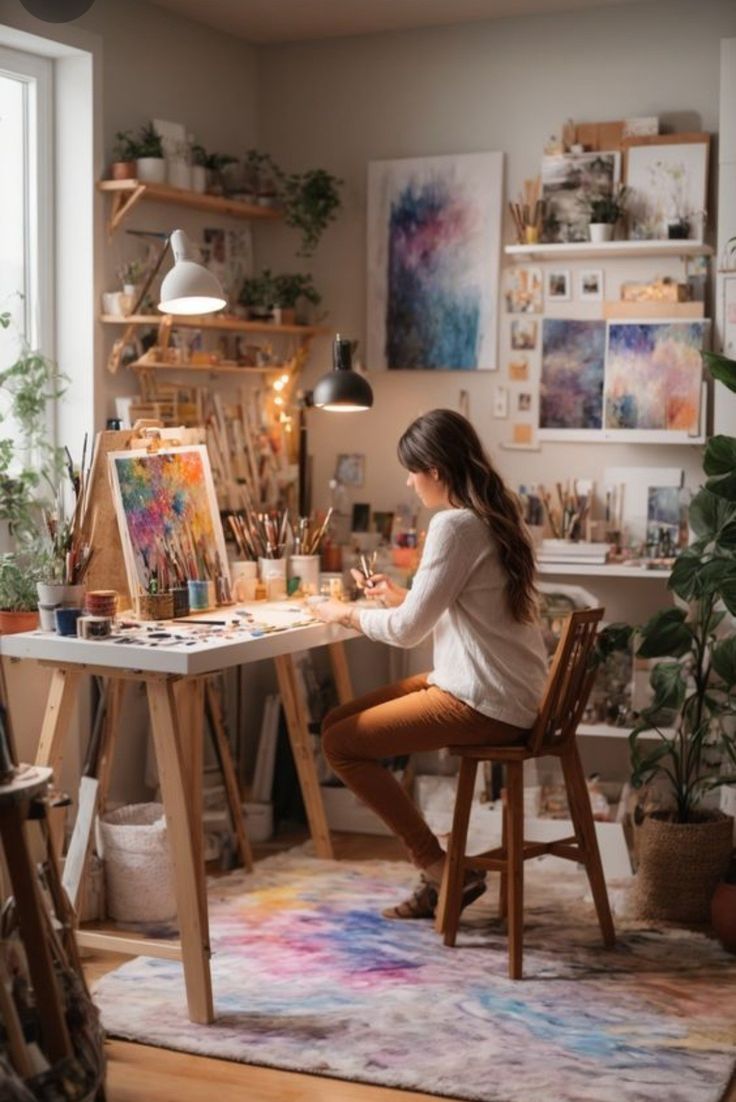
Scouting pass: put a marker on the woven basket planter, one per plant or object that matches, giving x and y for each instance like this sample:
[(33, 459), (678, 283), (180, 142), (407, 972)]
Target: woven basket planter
[(679, 867)]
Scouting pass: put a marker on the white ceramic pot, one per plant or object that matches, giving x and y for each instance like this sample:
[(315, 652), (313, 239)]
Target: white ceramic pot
[(306, 568), (199, 178), (52, 595), (151, 170), (112, 303), (600, 231), (180, 175)]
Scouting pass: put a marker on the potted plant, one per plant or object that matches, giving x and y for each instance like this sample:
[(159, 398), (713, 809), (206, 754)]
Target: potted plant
[(258, 295), (604, 211), (19, 575), (131, 274), (685, 847), (124, 155), (311, 201), (291, 288), (215, 164), (150, 163), (199, 168)]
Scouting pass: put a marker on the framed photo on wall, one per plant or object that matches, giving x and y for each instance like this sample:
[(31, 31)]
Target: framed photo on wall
[(667, 175)]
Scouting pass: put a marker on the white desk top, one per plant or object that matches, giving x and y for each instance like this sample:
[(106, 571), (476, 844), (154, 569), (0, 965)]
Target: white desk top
[(195, 650)]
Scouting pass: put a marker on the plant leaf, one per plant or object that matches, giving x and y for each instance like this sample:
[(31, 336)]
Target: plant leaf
[(720, 464), (669, 687), (723, 660), (665, 635), (721, 368), (719, 577), (683, 579), (713, 518)]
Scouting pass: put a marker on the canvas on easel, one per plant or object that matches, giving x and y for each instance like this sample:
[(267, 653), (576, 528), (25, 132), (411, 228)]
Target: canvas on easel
[(164, 500)]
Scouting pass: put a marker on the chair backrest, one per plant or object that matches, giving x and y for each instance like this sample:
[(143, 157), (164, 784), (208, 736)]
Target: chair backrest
[(569, 682)]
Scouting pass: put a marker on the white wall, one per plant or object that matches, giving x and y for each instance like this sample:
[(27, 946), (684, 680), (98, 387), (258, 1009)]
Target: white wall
[(501, 85)]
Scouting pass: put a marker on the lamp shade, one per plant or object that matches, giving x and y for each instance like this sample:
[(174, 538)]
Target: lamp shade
[(189, 288), (342, 390)]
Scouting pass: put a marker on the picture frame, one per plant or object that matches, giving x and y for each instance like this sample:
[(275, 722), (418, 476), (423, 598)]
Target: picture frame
[(590, 284), (568, 180), (383, 523), (361, 517), (557, 285), (667, 177), (524, 334), (523, 290), (350, 469)]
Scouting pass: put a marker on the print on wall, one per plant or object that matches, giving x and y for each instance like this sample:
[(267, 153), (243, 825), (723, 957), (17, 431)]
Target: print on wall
[(571, 388), (653, 375), (434, 227), (568, 180), (668, 178), (162, 499)]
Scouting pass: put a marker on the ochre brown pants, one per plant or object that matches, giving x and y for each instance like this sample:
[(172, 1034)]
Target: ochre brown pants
[(401, 719)]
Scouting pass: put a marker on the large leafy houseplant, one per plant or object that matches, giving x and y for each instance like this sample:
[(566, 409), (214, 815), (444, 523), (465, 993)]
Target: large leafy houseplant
[(693, 710), (311, 201)]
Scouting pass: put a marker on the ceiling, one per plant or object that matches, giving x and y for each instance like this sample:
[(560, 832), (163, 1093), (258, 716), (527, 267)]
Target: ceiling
[(275, 21)]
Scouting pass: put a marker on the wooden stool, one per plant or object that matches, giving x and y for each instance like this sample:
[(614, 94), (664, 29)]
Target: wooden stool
[(569, 682)]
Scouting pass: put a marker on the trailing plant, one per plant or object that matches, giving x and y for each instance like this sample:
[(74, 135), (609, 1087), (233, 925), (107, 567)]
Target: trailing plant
[(311, 201), (125, 147), (29, 464), (149, 142), (260, 172), (607, 208), (259, 291), (693, 711), (289, 288)]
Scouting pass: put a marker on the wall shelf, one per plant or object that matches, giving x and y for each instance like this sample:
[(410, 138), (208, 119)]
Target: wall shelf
[(603, 570), (225, 368), (589, 250), (606, 730), (126, 194), (219, 322)]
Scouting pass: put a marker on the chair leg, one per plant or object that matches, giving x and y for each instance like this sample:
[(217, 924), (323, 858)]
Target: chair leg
[(450, 901), (582, 816), (515, 866), (503, 886)]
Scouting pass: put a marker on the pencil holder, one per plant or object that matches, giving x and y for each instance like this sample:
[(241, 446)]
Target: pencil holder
[(180, 597), (199, 595), (306, 569), (154, 606)]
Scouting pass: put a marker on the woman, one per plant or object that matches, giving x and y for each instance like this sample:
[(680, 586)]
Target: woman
[(475, 590)]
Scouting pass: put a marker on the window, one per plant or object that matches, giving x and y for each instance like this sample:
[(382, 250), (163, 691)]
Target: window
[(26, 231)]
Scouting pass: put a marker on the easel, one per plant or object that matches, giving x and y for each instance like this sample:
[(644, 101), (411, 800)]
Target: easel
[(107, 569)]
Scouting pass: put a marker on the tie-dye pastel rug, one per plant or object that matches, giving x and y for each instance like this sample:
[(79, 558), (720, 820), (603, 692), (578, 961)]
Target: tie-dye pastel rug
[(308, 977)]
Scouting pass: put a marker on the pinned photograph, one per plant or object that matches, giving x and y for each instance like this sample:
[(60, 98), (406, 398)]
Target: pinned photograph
[(350, 469), (558, 285), (590, 285), (524, 402), (519, 369), (523, 290), (524, 335)]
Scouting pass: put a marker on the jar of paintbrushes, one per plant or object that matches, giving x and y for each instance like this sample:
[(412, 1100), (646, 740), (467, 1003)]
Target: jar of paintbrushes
[(305, 560)]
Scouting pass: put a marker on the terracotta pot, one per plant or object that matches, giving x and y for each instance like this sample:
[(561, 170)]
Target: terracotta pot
[(680, 865), (13, 622), (723, 914), (123, 170)]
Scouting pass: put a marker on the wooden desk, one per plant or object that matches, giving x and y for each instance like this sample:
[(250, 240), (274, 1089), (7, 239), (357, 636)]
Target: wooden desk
[(174, 679)]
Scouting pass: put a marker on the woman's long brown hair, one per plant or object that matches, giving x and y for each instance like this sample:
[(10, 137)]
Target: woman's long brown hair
[(447, 442)]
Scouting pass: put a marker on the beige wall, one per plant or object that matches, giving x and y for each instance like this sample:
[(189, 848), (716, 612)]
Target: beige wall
[(503, 85)]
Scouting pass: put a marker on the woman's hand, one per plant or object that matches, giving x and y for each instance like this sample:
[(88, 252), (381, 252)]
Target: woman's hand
[(381, 588), (329, 610)]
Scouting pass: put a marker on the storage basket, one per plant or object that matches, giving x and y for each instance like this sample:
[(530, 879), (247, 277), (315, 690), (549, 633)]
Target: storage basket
[(139, 876)]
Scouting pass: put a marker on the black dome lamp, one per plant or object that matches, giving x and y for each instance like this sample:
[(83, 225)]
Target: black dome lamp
[(342, 390)]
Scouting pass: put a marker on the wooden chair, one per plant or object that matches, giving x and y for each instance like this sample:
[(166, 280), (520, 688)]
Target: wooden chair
[(568, 686)]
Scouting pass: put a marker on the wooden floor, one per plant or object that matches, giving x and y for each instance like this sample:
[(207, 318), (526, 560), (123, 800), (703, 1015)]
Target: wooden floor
[(139, 1073)]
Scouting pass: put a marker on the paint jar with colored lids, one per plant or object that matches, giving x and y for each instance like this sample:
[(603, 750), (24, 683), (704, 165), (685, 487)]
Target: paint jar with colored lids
[(199, 595), (154, 606), (101, 602), (66, 619)]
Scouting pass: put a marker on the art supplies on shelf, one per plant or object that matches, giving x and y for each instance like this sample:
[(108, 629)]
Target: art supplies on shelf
[(568, 551), (568, 510)]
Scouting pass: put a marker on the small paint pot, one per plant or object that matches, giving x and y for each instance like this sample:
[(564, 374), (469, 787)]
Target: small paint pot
[(94, 627), (180, 596), (102, 602), (199, 595), (154, 606), (65, 620)]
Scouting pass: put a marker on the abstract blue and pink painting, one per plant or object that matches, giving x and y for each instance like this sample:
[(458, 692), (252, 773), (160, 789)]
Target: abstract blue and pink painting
[(573, 359), (433, 262), (654, 372)]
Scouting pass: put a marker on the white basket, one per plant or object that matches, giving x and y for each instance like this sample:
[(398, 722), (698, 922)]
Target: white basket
[(139, 876)]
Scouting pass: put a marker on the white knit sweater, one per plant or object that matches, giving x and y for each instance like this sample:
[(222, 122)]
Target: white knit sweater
[(481, 654)]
